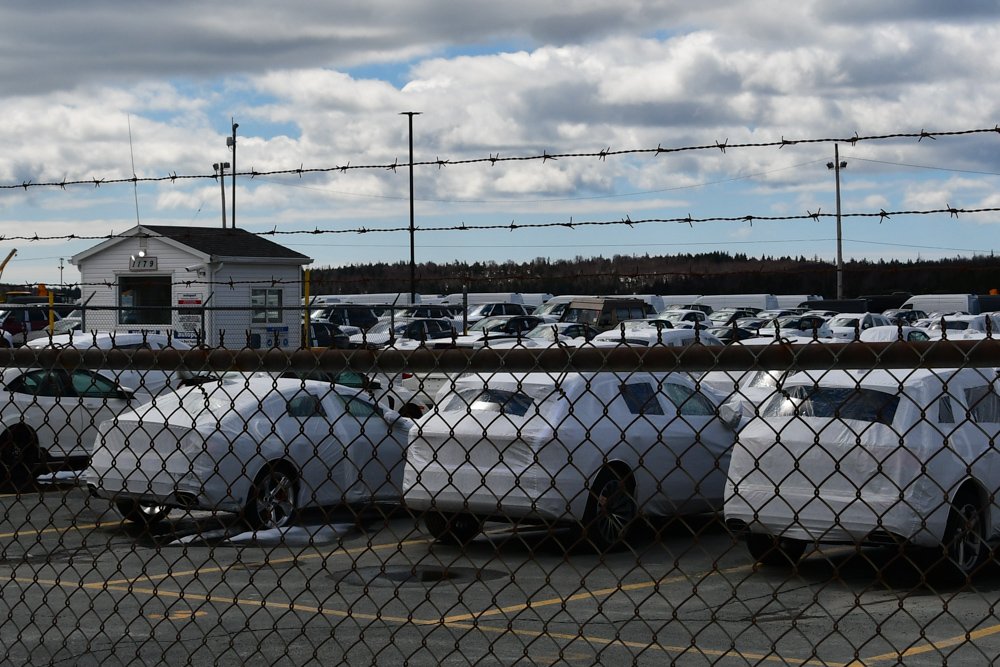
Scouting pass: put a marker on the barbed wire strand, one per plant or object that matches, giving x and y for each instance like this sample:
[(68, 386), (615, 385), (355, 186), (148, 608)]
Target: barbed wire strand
[(513, 225), (494, 159)]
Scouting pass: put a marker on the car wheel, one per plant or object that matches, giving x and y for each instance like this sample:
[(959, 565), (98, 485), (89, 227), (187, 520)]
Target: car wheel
[(611, 510), (146, 514), (774, 551), (963, 538), (457, 529), (17, 463), (272, 499)]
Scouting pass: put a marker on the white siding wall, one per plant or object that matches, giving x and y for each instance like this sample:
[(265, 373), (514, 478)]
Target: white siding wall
[(99, 277)]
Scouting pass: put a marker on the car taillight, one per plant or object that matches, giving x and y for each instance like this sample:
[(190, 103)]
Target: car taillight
[(407, 376)]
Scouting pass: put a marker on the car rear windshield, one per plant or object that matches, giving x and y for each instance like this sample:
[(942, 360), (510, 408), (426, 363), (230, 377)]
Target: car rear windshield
[(869, 405), (474, 399)]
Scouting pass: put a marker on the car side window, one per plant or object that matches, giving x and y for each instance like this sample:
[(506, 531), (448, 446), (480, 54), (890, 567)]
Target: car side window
[(945, 413), (358, 407), (305, 405), (38, 383), (87, 385), (641, 398), (687, 401), (984, 404)]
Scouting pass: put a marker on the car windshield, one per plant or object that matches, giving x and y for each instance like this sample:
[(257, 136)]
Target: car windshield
[(672, 316), (862, 404), (551, 308), (720, 316), (383, 328), (488, 400), (489, 324), (543, 332), (844, 322)]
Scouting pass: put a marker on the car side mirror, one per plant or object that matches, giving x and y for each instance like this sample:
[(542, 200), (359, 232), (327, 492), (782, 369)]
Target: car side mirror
[(126, 394), (731, 414)]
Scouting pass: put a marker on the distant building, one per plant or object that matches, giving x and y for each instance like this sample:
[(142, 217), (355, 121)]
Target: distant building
[(160, 278)]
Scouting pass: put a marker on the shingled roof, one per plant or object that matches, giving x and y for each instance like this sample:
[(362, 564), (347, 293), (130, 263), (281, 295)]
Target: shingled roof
[(225, 242)]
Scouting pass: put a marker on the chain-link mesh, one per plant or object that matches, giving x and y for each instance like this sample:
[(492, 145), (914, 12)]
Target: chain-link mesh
[(782, 504)]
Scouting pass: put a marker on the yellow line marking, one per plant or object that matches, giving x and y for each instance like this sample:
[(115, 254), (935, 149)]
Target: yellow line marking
[(932, 646), (627, 587), (274, 561), (290, 606), (54, 530)]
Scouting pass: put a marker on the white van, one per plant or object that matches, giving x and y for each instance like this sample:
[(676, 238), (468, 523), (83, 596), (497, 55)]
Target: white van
[(793, 300), (936, 303), (759, 301), (476, 298), (657, 302)]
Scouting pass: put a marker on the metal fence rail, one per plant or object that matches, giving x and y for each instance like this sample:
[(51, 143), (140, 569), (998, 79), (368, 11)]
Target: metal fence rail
[(785, 504)]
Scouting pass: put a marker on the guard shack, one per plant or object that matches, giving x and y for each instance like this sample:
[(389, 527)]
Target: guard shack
[(196, 284)]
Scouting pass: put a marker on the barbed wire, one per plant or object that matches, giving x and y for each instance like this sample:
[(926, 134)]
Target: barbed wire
[(494, 159), (882, 215)]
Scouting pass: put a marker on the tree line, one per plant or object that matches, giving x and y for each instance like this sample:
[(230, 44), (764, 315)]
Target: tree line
[(704, 273)]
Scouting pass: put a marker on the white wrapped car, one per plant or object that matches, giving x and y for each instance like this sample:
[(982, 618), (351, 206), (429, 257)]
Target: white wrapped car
[(259, 446), (871, 457), (595, 450)]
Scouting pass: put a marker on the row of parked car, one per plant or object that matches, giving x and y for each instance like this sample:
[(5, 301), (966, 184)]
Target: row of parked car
[(792, 460)]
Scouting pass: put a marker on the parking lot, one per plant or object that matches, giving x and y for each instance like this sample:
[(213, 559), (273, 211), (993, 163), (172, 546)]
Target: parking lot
[(80, 587)]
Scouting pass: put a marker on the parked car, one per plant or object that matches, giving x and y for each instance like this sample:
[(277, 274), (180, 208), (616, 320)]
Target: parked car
[(385, 333), (807, 326), (345, 315), (894, 333), (605, 312), (594, 451), (479, 311), (906, 315), (684, 318), (653, 335), (50, 416), (379, 387), (726, 316), (264, 448), (146, 383), (497, 328), (729, 334), (896, 458), (324, 334), (847, 326), (27, 322)]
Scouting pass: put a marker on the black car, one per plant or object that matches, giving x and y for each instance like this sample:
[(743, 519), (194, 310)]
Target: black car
[(324, 334)]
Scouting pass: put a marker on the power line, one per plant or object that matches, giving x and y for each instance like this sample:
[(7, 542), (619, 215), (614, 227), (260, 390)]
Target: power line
[(920, 166)]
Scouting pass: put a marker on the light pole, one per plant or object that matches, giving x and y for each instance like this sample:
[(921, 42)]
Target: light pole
[(231, 142), (220, 170), (413, 265), (837, 165)]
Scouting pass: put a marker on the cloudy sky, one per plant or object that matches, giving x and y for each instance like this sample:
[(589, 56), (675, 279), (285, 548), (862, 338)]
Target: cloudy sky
[(317, 84)]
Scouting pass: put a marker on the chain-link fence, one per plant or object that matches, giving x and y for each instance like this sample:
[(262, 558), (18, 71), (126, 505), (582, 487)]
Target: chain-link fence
[(607, 503)]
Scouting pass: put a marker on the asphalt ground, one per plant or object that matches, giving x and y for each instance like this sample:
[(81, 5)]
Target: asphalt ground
[(79, 587)]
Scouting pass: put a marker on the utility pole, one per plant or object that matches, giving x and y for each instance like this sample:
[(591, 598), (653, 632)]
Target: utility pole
[(231, 142), (220, 170), (837, 165), (413, 264)]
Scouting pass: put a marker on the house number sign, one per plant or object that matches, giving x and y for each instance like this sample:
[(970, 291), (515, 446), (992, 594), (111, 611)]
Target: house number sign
[(142, 264)]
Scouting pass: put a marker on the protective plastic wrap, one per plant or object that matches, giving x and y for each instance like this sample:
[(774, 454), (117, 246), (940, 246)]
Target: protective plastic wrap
[(838, 458)]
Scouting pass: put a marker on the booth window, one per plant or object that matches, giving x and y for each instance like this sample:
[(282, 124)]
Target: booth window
[(144, 300), (266, 305)]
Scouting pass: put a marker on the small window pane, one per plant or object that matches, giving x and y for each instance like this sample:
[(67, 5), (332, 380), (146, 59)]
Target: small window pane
[(945, 414)]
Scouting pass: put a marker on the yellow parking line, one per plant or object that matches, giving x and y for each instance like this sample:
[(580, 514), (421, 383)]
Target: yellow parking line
[(53, 530), (273, 561), (932, 646), (293, 607), (626, 587), (593, 594)]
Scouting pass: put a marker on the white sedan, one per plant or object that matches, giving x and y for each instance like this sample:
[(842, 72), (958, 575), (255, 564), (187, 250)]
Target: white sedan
[(593, 450), (260, 446), (894, 458)]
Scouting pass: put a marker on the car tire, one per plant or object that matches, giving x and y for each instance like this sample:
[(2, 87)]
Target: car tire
[(611, 510), (271, 501), (964, 547), (17, 463), (775, 551), (457, 529), (145, 514)]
